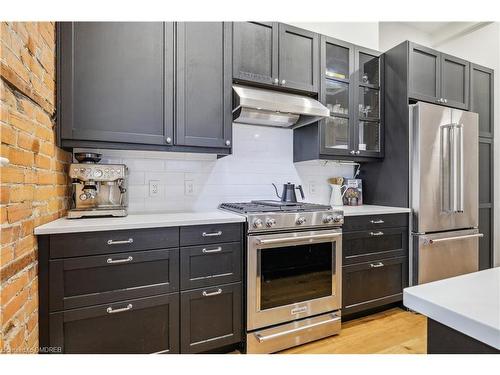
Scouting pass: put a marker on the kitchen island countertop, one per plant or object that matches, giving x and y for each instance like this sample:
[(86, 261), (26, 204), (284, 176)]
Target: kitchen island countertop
[(138, 221), (469, 304)]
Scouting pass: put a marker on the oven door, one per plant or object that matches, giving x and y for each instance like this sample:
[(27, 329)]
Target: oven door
[(292, 276)]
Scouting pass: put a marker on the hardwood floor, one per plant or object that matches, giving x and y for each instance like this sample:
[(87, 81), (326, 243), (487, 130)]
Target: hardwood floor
[(393, 331)]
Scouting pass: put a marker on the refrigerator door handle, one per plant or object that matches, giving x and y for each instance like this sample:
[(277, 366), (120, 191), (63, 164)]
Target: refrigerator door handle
[(430, 241), (452, 183), (459, 175)]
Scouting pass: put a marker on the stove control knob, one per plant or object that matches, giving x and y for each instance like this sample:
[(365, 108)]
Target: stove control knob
[(257, 223), (301, 220), (328, 219), (338, 218), (270, 222)]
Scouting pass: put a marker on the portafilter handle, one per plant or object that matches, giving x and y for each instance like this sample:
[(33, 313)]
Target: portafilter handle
[(299, 187)]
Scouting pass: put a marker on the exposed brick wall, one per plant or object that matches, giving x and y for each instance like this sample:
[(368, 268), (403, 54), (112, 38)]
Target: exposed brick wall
[(34, 186)]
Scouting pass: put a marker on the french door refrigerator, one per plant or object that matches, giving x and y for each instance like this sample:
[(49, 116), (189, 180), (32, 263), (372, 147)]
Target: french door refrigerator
[(443, 192)]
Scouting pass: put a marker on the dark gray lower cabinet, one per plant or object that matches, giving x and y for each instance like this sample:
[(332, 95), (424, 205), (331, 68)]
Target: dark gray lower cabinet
[(375, 261), (210, 318), (208, 265), (372, 284), (94, 300), (146, 325)]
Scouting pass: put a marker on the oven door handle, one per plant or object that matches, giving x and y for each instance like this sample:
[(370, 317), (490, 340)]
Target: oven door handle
[(311, 238)]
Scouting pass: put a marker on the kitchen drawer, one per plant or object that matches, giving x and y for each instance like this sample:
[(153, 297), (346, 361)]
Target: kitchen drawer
[(85, 281), (210, 318), (145, 325), (364, 222), (208, 265), (371, 284), (374, 244), (212, 233), (90, 243)]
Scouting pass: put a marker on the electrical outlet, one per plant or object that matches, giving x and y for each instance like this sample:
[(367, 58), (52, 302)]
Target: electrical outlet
[(188, 187), (154, 188), (312, 187)]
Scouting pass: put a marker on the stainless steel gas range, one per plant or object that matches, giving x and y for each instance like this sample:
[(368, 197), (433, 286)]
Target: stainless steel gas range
[(293, 278)]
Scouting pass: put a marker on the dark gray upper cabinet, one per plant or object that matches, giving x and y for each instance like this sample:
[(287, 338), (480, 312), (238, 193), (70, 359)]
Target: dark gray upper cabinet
[(437, 77), (351, 84), (203, 90), (276, 54), (424, 73), (115, 81), (481, 98), (482, 102), (455, 81), (298, 58), (255, 51)]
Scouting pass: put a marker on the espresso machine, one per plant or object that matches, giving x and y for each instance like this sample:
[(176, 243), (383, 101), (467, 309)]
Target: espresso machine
[(98, 189)]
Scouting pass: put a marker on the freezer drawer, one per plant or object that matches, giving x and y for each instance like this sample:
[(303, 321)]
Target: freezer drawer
[(446, 254)]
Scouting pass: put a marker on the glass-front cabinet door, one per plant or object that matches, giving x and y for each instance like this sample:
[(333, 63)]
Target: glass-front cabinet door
[(368, 131), (336, 93)]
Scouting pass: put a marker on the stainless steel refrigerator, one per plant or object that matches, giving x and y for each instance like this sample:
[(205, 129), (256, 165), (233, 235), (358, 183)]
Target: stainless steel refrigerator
[(443, 192)]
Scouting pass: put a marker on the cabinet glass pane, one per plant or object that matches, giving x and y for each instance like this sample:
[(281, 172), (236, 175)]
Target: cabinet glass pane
[(337, 61), (369, 136), (337, 133), (368, 69), (369, 103), (337, 97)]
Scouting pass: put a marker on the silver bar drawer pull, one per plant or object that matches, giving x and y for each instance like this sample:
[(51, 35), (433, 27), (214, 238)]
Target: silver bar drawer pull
[(122, 242), (376, 233), (378, 221), (117, 261), (213, 234), (216, 250), (110, 310), (376, 265), (209, 294)]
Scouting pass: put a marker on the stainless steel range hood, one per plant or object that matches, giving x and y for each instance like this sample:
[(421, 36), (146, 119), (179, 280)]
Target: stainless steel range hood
[(256, 106)]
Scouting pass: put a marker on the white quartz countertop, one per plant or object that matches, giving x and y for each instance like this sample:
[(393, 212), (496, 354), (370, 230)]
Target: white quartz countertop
[(368, 209), (138, 221), (469, 304)]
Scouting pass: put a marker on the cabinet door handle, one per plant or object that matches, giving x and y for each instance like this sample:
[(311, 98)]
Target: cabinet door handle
[(117, 261), (216, 250), (379, 233), (376, 265), (212, 234), (209, 294), (110, 310), (122, 242), (378, 221)]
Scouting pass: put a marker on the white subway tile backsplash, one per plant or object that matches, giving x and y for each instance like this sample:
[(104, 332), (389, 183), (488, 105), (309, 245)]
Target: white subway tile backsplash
[(261, 156)]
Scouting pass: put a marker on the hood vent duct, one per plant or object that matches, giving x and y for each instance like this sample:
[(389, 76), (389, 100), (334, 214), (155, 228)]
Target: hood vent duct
[(256, 106)]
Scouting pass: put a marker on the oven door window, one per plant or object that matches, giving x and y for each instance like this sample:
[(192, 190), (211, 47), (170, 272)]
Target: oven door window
[(293, 274)]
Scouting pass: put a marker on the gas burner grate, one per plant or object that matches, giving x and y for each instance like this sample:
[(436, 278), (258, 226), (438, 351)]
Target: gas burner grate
[(272, 206)]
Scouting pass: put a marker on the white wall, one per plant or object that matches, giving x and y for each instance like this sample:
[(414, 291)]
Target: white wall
[(365, 34), (483, 47), (261, 156), (393, 33)]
